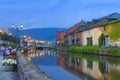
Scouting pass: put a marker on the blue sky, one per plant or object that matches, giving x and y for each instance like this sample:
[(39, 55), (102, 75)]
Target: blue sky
[(53, 13)]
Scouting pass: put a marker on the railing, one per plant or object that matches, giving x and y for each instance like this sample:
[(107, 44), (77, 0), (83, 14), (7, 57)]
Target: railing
[(38, 45)]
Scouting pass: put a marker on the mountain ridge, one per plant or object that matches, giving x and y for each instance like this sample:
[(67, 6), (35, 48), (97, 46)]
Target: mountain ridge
[(39, 33)]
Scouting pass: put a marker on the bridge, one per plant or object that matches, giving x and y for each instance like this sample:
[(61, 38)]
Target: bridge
[(43, 46)]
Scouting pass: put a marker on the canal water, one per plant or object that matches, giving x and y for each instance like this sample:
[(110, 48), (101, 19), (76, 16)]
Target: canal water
[(74, 66)]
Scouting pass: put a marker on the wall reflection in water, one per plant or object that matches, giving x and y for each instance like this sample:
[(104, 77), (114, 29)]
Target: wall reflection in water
[(97, 67)]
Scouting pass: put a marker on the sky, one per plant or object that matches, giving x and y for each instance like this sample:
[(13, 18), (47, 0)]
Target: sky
[(53, 13)]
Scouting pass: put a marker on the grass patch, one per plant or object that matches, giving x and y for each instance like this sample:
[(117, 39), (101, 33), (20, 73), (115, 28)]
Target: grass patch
[(87, 49)]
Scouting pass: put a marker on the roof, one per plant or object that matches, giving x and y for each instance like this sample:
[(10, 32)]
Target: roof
[(75, 27), (96, 22), (114, 16), (114, 21), (100, 21)]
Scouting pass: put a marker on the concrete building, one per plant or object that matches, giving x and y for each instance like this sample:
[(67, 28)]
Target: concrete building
[(4, 30)]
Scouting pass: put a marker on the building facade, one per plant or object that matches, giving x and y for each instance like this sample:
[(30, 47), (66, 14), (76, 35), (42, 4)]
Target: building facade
[(60, 37), (82, 33), (4, 30), (71, 35), (112, 32)]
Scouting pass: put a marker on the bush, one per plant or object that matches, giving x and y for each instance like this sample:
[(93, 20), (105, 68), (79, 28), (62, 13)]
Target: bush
[(94, 49), (100, 40), (88, 49), (90, 42), (115, 51)]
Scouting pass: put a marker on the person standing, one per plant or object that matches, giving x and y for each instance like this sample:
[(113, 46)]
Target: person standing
[(10, 48)]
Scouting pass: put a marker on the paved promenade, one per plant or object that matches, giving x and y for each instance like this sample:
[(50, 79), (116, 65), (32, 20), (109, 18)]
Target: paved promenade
[(6, 75)]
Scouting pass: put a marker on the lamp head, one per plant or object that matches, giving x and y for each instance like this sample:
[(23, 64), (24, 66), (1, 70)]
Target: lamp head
[(21, 26), (13, 26)]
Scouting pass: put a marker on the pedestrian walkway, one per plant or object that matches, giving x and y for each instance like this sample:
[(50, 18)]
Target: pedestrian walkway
[(1, 58), (6, 75)]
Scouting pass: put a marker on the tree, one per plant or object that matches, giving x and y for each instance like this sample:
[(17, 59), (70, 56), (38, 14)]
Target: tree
[(9, 38)]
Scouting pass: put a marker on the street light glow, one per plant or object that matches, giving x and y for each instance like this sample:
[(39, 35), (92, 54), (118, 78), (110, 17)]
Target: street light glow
[(13, 26), (21, 26)]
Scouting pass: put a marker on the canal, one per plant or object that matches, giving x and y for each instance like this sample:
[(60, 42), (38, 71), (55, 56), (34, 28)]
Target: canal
[(74, 66)]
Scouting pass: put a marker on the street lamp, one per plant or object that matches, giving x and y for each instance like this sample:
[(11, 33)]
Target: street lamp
[(17, 28)]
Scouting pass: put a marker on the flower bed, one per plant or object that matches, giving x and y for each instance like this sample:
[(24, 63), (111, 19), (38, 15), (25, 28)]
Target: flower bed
[(10, 57), (9, 65), (9, 62)]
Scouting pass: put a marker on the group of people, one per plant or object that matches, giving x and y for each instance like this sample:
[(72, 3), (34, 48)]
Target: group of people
[(5, 50)]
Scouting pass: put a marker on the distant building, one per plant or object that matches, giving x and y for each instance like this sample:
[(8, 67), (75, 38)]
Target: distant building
[(60, 37), (4, 30)]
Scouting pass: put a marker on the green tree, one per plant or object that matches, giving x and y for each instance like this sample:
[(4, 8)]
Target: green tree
[(9, 38), (100, 40)]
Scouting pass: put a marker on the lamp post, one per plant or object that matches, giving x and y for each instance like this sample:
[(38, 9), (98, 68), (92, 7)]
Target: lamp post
[(17, 28)]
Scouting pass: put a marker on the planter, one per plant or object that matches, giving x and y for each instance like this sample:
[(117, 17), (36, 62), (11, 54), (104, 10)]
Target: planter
[(13, 53), (9, 67)]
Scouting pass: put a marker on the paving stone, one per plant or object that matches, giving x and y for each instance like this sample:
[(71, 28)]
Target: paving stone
[(6, 75)]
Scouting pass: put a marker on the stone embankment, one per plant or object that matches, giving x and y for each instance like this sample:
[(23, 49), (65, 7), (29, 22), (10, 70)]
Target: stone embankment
[(100, 52), (27, 71)]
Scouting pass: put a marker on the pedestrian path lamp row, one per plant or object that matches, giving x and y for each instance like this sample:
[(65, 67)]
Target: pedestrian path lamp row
[(17, 28)]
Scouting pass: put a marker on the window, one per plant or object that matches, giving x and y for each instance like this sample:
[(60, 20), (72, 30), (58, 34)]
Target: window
[(88, 33)]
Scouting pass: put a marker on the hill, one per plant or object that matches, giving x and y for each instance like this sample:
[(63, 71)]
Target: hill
[(39, 33)]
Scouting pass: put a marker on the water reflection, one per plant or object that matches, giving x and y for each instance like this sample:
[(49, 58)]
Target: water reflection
[(97, 67), (86, 67), (90, 68)]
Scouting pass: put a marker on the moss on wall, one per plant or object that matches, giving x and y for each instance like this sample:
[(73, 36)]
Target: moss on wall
[(100, 40), (113, 30), (90, 43)]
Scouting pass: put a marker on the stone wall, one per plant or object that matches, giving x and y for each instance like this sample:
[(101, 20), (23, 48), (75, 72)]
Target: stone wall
[(96, 32), (27, 71)]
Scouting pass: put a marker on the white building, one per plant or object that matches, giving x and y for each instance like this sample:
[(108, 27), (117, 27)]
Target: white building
[(4, 30)]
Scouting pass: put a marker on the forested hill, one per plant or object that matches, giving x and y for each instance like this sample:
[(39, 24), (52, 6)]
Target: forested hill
[(39, 33)]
